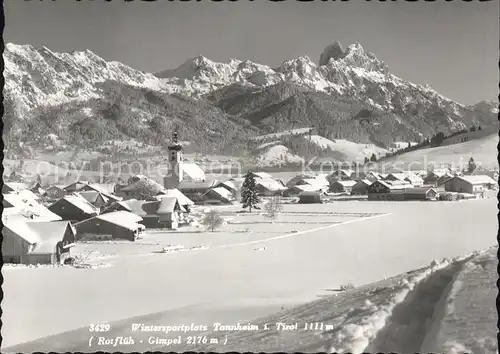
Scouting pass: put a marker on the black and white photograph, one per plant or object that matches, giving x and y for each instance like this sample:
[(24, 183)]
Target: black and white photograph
[(250, 176)]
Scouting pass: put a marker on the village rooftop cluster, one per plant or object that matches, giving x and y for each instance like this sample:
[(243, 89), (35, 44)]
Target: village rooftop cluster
[(42, 223)]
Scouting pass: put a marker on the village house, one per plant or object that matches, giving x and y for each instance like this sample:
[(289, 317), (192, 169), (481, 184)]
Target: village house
[(299, 179), (24, 194), (261, 175), (414, 179), (310, 197), (420, 193), (104, 189), (341, 186), (54, 192), (396, 176), (384, 190), (268, 187), (217, 196), (340, 174), (373, 176), (196, 190), (36, 242), (95, 198), (163, 213), (116, 225), (192, 173), (73, 208), (361, 187), (184, 201), (229, 185), (75, 186), (477, 184), (437, 177), (295, 190), (28, 209)]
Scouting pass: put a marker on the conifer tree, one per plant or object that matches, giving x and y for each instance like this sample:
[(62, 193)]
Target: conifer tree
[(249, 198)]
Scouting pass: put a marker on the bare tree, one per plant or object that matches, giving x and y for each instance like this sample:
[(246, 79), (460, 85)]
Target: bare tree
[(273, 207), (212, 220)]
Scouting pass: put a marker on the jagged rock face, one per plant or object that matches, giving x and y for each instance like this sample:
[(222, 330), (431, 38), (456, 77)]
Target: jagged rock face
[(350, 94), (333, 51)]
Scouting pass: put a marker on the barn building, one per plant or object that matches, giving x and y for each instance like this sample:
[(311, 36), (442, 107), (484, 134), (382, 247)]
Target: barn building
[(269, 187), (420, 193), (295, 190), (74, 208), (437, 177), (116, 225), (310, 198), (55, 192), (361, 187), (163, 213), (341, 186), (477, 184), (36, 242)]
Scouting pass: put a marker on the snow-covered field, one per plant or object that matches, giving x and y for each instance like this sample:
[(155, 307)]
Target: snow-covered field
[(230, 282), (351, 151), (278, 154)]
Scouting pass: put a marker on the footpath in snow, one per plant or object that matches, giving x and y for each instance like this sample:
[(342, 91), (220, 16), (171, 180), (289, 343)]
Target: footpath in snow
[(445, 307)]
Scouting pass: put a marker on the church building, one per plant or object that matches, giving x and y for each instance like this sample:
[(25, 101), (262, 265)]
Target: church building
[(181, 171)]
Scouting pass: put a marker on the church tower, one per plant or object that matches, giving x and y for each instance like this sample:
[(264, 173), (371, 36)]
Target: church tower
[(175, 173)]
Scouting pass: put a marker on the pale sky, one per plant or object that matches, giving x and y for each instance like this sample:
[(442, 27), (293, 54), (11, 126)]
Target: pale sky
[(452, 46)]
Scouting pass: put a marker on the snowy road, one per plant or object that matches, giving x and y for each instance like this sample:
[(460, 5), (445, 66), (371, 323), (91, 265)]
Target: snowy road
[(236, 283)]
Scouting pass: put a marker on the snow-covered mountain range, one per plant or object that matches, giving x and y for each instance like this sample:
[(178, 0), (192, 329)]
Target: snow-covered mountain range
[(350, 94)]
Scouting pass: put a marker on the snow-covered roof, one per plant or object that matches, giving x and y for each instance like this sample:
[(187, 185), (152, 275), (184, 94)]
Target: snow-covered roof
[(478, 179), (305, 187), (166, 205), (16, 186), (262, 175), (270, 184), (183, 200), (92, 196), (81, 203), (105, 189), (223, 192), (193, 171), (49, 234), (196, 185), (123, 219), (398, 175), (346, 183), (31, 211), (364, 181), (230, 184)]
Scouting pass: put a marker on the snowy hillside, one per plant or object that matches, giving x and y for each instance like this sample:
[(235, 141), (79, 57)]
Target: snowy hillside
[(277, 155), (350, 150), (484, 152)]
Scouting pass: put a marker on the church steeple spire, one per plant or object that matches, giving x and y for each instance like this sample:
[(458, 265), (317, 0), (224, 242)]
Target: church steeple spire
[(175, 158)]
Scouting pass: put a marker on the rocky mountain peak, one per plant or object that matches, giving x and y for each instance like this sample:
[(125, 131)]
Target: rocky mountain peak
[(354, 56), (333, 51)]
